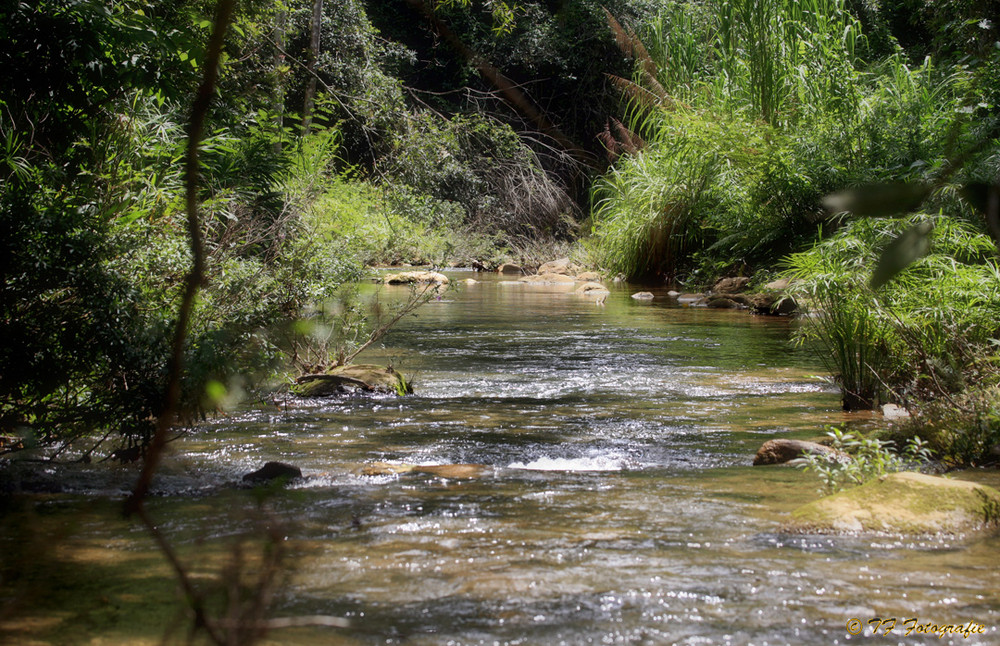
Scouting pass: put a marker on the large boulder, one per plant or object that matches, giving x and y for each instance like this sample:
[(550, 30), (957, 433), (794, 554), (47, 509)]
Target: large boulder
[(733, 285), (784, 450), (410, 277), (344, 379), (510, 268), (773, 304), (561, 266), (904, 503), (589, 277), (779, 284)]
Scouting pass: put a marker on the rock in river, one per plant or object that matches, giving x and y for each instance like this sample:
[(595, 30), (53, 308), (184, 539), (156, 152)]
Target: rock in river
[(560, 266), (344, 379), (592, 289), (273, 471), (904, 503), (783, 450), (509, 268), (408, 277)]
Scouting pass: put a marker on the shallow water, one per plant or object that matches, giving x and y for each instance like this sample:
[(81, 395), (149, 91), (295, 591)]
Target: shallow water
[(615, 504)]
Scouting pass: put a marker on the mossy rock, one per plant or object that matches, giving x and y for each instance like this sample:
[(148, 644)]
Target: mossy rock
[(904, 503), (344, 379)]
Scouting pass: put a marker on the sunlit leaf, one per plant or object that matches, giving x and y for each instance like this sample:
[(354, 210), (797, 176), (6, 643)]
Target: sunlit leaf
[(879, 199), (902, 252), (215, 391)]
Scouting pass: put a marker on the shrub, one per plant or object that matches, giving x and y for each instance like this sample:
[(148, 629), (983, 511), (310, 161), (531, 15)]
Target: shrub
[(862, 459)]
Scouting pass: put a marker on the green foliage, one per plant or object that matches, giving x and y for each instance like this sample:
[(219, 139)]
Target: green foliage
[(861, 459), (784, 126), (964, 430), (926, 333)]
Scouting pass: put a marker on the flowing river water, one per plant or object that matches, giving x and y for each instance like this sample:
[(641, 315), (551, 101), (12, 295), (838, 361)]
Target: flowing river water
[(615, 503)]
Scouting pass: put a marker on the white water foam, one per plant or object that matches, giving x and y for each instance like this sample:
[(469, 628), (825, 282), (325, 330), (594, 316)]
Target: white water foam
[(596, 463)]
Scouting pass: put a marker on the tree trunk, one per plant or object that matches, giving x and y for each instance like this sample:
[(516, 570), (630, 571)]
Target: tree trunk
[(317, 28)]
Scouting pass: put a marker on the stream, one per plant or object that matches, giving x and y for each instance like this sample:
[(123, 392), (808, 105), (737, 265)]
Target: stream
[(615, 502)]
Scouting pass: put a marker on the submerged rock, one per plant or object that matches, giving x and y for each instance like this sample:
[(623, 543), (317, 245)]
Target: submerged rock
[(904, 503), (273, 471), (409, 277), (783, 450), (643, 296), (548, 279), (343, 379), (691, 299)]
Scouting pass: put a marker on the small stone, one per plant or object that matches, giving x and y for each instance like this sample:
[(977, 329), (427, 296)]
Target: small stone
[(643, 296)]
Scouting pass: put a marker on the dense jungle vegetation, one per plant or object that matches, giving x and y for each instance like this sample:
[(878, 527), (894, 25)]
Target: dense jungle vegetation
[(660, 140)]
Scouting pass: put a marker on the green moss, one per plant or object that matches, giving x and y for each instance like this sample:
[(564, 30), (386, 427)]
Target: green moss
[(908, 503)]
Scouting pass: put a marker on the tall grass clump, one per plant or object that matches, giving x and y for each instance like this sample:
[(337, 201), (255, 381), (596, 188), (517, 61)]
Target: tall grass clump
[(649, 211), (775, 94), (929, 333)]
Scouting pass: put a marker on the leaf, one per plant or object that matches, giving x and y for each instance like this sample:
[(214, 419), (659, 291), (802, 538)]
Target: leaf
[(879, 199), (902, 252)]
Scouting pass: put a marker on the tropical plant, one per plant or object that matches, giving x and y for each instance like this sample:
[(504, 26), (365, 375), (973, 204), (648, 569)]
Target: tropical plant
[(858, 459)]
